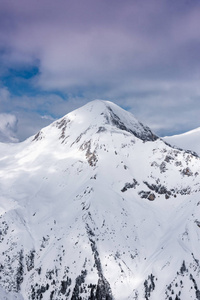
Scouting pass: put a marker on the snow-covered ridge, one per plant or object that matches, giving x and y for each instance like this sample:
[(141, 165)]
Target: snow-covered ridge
[(188, 140), (97, 207)]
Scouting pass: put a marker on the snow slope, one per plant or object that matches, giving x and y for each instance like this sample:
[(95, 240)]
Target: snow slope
[(189, 140), (95, 206)]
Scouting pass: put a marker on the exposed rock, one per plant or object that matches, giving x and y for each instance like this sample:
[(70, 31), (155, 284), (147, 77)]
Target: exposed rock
[(149, 286), (90, 155), (140, 131), (129, 185), (151, 197), (187, 172), (147, 195), (38, 136)]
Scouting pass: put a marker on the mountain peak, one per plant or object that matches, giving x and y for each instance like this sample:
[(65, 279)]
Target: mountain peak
[(102, 115), (90, 211)]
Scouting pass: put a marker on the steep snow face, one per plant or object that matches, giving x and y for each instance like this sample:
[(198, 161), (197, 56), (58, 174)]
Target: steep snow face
[(95, 206), (189, 140)]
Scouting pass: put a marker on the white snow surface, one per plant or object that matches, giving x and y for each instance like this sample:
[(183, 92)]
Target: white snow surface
[(96, 206), (188, 140)]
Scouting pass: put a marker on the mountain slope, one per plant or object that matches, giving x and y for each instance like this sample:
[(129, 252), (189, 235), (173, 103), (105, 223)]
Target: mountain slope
[(189, 140), (95, 206)]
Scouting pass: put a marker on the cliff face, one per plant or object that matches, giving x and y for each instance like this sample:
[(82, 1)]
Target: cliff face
[(95, 206)]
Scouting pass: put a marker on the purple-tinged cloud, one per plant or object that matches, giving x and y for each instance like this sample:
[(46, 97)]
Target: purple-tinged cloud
[(144, 54), (91, 42)]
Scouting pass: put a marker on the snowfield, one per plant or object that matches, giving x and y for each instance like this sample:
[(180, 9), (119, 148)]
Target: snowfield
[(95, 206)]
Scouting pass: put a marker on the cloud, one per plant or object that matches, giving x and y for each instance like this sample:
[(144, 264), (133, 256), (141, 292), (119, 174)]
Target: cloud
[(25, 115), (90, 43), (143, 55), (8, 128)]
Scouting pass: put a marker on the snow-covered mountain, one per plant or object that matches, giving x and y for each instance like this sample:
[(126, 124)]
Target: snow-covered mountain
[(189, 140), (95, 206)]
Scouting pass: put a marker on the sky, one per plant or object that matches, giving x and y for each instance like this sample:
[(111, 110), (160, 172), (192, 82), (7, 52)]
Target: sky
[(56, 56)]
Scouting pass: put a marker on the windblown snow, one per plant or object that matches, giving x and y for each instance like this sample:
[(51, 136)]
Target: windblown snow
[(96, 206)]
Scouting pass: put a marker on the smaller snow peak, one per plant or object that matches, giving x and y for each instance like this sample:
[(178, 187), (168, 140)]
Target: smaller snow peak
[(187, 141)]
